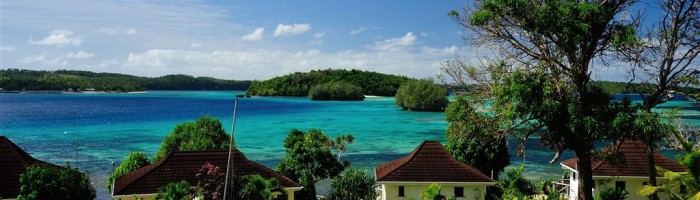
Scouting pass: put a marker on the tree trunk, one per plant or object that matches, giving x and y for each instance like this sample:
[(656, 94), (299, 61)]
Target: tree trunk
[(585, 175), (652, 168)]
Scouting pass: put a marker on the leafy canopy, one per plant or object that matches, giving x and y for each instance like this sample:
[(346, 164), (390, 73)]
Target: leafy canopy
[(132, 162), (51, 182), (309, 159), (470, 138), (421, 95), (353, 184), (206, 133)]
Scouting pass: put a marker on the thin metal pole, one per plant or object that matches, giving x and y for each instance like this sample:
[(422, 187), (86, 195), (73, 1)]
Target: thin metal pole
[(230, 147)]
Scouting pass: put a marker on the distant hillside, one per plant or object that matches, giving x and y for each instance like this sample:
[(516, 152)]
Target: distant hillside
[(299, 83), (60, 80)]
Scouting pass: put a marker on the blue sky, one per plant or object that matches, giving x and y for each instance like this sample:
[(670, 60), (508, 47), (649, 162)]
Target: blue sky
[(239, 39)]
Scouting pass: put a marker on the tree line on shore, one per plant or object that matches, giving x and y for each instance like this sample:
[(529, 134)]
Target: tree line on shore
[(62, 80), (300, 83)]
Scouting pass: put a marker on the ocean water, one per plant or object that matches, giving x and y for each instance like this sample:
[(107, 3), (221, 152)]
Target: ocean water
[(91, 131)]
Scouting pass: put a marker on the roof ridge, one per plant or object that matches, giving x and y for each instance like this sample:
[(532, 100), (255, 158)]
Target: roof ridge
[(410, 157), (269, 170), (140, 176), (28, 159)]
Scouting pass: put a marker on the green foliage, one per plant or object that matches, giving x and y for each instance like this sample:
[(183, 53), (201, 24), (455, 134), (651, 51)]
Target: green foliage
[(674, 181), (612, 194), (298, 84), (432, 192), (175, 191), (51, 182), (206, 133), (59, 80), (470, 138), (309, 159), (421, 95), (353, 184), (514, 185), (132, 162), (336, 91), (257, 187)]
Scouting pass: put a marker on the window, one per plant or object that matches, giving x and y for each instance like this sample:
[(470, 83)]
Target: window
[(620, 185), (459, 191), (401, 191)]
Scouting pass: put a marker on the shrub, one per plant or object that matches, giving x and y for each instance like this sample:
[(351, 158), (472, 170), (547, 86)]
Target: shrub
[(175, 191), (421, 95), (336, 91), (133, 161), (51, 182), (354, 184), (612, 194)]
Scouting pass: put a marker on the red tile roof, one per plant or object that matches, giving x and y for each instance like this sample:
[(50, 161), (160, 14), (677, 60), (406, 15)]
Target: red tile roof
[(13, 162), (634, 152), (429, 162), (184, 165)]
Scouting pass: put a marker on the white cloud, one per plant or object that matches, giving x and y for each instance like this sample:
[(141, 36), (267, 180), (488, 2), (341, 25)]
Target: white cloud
[(7, 48), (256, 35), (290, 30), (117, 30), (79, 55), (259, 64), (196, 45), (358, 31), (49, 60), (394, 43), (60, 38), (319, 35)]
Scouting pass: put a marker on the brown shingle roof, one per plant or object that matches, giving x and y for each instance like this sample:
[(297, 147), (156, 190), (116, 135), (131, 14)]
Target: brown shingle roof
[(634, 152), (184, 165), (429, 162), (13, 162)]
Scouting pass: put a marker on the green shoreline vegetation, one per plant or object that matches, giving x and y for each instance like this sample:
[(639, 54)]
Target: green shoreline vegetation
[(299, 84), (73, 80), (336, 91)]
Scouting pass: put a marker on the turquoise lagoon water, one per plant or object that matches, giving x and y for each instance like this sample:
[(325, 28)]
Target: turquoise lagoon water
[(91, 131)]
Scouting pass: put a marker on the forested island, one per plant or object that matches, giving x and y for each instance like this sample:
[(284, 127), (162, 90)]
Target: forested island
[(73, 80), (300, 83)]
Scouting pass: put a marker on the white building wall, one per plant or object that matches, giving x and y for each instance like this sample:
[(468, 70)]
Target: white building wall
[(390, 191)]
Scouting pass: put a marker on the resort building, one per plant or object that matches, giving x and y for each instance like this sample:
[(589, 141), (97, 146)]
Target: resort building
[(13, 162), (184, 165), (630, 177), (407, 177)]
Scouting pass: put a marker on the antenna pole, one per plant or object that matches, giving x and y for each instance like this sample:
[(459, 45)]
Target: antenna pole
[(230, 147)]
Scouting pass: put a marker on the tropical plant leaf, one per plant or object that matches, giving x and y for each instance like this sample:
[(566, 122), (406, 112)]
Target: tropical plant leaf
[(647, 190)]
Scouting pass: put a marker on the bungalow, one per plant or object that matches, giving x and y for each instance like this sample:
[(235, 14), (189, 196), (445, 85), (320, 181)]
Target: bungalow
[(13, 162), (184, 165), (633, 175), (407, 177)]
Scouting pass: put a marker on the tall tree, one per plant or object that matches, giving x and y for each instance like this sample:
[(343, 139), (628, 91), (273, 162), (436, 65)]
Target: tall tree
[(665, 57), (549, 46), (206, 133), (470, 138), (308, 160)]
